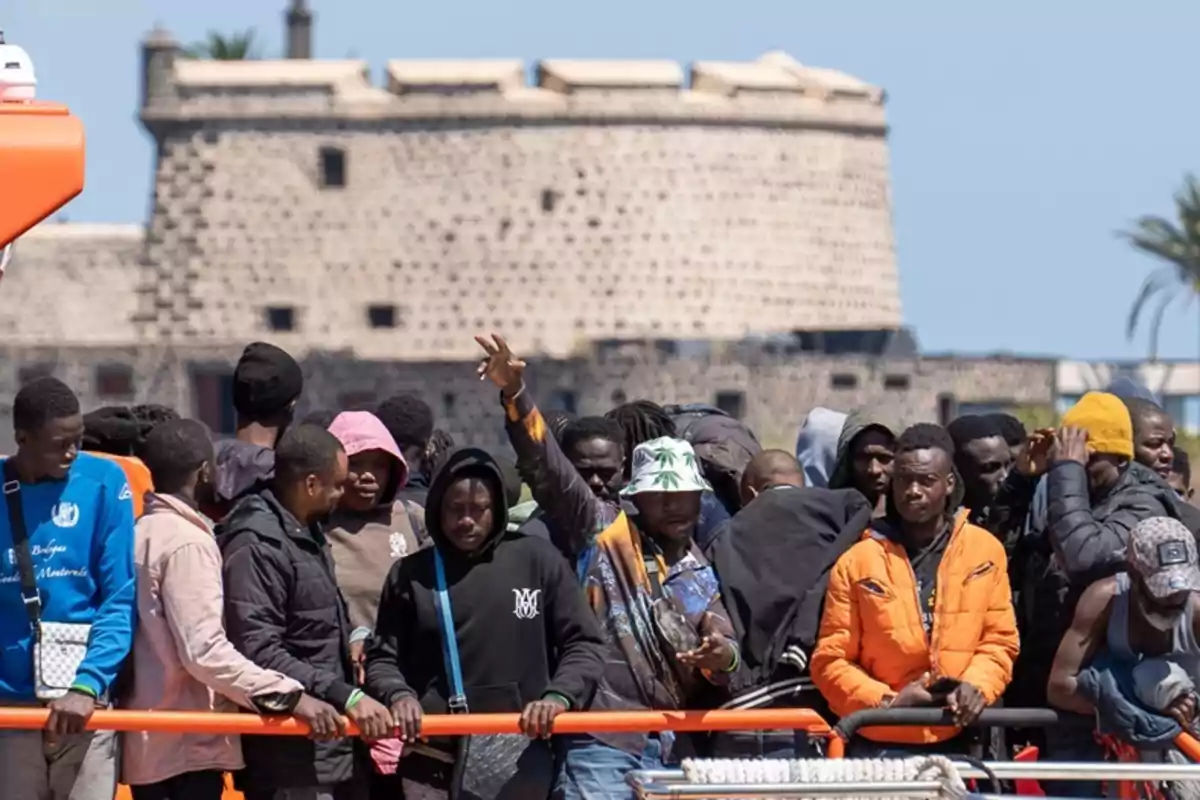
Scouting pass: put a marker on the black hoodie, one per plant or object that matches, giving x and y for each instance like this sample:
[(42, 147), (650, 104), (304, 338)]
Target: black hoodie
[(773, 562), (523, 627)]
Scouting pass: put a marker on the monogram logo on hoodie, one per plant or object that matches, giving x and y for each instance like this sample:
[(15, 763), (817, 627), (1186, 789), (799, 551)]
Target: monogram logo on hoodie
[(526, 603)]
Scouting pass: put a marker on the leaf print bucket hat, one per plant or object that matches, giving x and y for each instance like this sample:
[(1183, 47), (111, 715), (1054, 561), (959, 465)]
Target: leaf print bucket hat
[(665, 465)]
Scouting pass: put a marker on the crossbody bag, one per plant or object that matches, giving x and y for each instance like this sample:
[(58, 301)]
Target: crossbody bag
[(58, 647), (488, 767)]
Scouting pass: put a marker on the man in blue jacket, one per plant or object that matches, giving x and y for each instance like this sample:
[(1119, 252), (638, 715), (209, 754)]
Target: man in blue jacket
[(78, 518)]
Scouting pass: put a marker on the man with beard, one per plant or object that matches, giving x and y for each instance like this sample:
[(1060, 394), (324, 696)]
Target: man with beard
[(983, 459), (284, 612), (1154, 447)]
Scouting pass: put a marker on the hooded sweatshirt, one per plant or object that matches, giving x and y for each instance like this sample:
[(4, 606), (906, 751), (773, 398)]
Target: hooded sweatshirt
[(523, 627), (773, 565), (857, 423), (817, 445), (365, 545), (242, 468)]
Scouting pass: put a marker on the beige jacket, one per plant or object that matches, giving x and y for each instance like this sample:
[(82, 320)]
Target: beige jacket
[(182, 660)]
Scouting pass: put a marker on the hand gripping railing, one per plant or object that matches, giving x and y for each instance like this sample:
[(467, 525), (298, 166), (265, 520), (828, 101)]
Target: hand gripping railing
[(990, 718), (933, 717), (440, 725)]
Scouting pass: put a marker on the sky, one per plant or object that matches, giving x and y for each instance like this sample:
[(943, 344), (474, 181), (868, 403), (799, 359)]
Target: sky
[(1024, 134)]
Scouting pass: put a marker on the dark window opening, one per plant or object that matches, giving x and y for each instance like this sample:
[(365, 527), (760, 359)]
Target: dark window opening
[(333, 167), (897, 382), (114, 380), (212, 393), (947, 408), (281, 318), (565, 400), (34, 371), (381, 316), (843, 380), (732, 403), (667, 347), (449, 401), (549, 200)]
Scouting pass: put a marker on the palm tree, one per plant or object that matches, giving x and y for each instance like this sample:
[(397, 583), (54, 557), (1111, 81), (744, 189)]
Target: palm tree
[(219, 47), (1177, 247)]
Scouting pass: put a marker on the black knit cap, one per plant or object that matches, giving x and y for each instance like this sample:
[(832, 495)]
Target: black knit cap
[(266, 381)]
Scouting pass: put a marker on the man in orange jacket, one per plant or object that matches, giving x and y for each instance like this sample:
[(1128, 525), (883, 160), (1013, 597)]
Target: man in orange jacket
[(919, 612)]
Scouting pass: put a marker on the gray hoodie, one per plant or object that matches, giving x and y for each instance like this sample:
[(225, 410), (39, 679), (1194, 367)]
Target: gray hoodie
[(817, 445)]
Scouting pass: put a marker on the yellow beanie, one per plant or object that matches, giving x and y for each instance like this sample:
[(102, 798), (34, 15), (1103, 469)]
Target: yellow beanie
[(1106, 419)]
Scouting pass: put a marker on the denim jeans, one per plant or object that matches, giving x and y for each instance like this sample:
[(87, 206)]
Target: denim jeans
[(592, 770)]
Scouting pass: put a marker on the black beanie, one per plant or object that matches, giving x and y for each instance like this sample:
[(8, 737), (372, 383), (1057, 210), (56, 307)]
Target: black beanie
[(266, 381), (113, 430)]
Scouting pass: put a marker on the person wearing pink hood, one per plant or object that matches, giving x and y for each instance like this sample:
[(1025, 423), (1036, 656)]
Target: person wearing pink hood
[(370, 529)]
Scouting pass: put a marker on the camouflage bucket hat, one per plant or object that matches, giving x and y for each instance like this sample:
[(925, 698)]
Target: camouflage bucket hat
[(665, 465), (1163, 552)]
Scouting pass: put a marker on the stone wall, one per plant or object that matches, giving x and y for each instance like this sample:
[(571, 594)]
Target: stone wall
[(72, 284), (608, 201)]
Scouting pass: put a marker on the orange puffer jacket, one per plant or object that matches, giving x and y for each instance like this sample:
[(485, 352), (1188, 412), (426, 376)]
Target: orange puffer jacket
[(872, 642)]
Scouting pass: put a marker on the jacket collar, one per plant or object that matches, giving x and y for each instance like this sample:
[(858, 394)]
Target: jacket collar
[(166, 504), (288, 524), (881, 530)]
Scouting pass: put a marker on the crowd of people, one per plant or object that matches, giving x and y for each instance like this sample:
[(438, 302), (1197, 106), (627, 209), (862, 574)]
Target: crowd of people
[(362, 566)]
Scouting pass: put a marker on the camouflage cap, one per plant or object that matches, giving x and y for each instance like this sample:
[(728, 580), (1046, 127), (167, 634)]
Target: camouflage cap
[(1163, 552)]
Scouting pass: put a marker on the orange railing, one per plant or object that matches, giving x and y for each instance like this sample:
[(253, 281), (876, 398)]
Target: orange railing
[(452, 725), (457, 725), (801, 719)]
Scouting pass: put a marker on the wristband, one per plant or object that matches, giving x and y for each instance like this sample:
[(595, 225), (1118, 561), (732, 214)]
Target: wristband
[(737, 662), (355, 698), (566, 701), (79, 688)]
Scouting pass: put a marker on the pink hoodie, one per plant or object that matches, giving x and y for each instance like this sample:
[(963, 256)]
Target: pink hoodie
[(360, 431), (365, 546)]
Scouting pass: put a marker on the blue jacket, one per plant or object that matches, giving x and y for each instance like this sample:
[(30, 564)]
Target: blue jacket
[(1108, 683), (81, 539)]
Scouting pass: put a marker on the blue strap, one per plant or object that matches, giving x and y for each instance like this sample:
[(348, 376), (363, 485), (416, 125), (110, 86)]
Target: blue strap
[(441, 598)]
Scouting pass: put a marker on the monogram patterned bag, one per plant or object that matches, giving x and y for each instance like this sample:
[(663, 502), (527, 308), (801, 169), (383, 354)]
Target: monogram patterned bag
[(58, 647)]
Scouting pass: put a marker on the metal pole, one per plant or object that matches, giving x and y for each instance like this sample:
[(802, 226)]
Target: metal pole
[(791, 791), (1066, 771)]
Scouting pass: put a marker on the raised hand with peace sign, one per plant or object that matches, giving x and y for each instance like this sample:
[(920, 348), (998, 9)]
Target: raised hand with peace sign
[(500, 366)]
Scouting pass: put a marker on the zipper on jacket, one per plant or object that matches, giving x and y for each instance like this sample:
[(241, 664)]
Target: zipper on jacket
[(937, 588)]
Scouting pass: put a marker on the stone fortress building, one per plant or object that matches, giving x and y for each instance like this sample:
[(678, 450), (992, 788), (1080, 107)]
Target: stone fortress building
[(718, 233)]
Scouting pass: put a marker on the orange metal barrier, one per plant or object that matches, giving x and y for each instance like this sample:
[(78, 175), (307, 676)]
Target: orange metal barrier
[(444, 725), (447, 725)]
